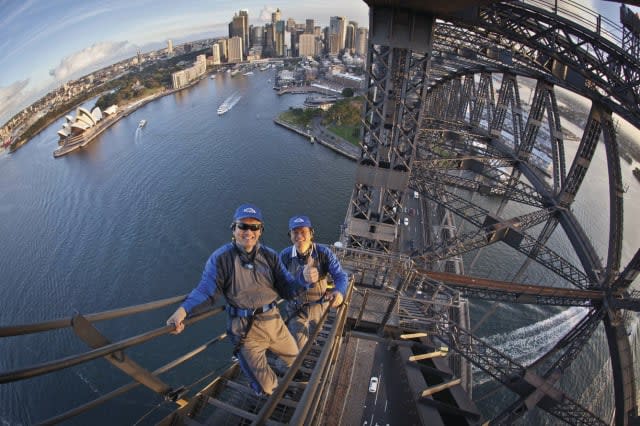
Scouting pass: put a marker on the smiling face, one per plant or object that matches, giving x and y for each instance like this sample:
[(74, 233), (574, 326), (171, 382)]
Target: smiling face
[(248, 237), (301, 237)]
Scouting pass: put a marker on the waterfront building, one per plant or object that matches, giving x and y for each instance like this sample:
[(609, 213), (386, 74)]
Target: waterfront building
[(182, 78), (224, 49), (307, 45), (235, 50), (215, 54)]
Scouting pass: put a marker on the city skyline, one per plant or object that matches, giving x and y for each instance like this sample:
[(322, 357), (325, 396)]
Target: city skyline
[(46, 44)]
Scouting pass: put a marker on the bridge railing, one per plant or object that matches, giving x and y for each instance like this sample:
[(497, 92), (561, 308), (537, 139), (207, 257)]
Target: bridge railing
[(583, 16), (113, 352)]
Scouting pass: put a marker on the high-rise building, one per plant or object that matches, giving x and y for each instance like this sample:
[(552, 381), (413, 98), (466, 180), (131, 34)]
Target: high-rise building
[(257, 37), (224, 49), (306, 45), (291, 25), (268, 39), (350, 36), (245, 37), (362, 40), (337, 26), (309, 26), (236, 49), (239, 26), (279, 39), (215, 53), (169, 47)]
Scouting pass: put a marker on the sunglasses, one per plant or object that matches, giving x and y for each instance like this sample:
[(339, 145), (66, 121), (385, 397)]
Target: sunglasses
[(252, 226)]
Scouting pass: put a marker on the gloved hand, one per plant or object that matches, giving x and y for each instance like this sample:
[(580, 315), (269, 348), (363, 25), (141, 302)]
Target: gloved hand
[(335, 297), (310, 272), (176, 319)]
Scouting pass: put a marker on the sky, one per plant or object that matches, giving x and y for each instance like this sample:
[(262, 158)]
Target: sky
[(44, 43)]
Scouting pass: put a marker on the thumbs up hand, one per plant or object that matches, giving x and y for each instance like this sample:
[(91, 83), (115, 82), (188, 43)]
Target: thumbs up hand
[(310, 272)]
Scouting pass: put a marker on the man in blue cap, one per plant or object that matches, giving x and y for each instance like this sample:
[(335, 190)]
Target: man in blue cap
[(305, 309), (251, 278)]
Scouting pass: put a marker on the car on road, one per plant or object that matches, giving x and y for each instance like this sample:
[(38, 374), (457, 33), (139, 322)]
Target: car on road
[(406, 221), (373, 384)]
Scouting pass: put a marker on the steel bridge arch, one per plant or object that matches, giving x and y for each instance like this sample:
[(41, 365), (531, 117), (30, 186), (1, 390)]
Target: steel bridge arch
[(525, 40)]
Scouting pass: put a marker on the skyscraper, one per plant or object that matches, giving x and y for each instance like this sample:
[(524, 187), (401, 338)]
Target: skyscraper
[(309, 26), (362, 39), (350, 36), (169, 47), (235, 49), (239, 26), (337, 27)]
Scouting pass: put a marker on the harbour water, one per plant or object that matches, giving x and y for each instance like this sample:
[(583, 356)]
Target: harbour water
[(133, 216)]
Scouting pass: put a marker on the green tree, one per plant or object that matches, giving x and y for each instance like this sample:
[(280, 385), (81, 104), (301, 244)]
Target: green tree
[(347, 92)]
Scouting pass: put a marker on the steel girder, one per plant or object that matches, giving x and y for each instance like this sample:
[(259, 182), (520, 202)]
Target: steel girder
[(391, 119), (518, 378), (527, 245), (569, 347), (589, 63)]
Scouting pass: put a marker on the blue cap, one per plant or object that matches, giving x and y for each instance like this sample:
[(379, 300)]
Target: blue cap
[(299, 221), (246, 211)]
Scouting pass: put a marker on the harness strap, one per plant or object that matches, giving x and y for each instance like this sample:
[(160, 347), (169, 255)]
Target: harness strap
[(246, 313)]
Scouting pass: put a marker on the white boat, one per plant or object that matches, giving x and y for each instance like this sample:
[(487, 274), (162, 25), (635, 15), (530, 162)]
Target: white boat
[(142, 123), (212, 77), (248, 73), (229, 103)]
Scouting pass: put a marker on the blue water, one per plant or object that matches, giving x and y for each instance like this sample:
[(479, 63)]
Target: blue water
[(133, 217)]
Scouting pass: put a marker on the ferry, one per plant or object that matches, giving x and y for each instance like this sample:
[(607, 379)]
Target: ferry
[(142, 123), (229, 103)]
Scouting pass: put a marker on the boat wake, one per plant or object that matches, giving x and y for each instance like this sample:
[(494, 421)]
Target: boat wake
[(527, 344), (229, 103)]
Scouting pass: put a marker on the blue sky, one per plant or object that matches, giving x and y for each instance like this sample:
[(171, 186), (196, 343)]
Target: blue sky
[(44, 43)]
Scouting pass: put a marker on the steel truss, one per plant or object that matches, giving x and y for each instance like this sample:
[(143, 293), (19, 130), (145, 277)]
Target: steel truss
[(477, 132)]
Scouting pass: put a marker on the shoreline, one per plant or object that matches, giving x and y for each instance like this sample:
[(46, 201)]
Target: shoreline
[(339, 145), (127, 110)]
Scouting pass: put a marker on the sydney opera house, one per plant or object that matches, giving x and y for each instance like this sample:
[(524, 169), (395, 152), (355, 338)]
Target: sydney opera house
[(83, 121)]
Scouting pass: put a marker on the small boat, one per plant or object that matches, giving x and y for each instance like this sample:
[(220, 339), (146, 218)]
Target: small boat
[(142, 123), (248, 73), (212, 77)]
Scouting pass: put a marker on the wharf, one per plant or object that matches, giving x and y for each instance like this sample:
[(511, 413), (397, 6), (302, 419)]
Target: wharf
[(335, 143)]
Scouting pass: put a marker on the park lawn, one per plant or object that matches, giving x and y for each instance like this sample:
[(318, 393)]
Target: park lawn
[(349, 133)]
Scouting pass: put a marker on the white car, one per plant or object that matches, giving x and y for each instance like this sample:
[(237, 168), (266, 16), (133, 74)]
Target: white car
[(373, 385), (406, 221)]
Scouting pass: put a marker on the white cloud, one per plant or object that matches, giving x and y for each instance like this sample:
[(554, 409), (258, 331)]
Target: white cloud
[(265, 13), (89, 58), (12, 98)]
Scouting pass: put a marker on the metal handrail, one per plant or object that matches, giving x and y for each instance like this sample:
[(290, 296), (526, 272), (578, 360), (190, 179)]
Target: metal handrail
[(62, 363), (131, 385), (17, 330)]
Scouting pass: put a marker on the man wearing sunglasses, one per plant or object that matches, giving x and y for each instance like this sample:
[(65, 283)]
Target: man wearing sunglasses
[(305, 309), (251, 278)]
